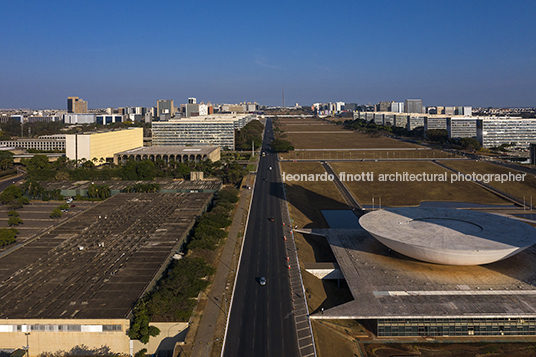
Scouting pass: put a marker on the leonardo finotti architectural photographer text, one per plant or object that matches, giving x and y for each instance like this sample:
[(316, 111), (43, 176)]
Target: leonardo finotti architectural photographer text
[(406, 177)]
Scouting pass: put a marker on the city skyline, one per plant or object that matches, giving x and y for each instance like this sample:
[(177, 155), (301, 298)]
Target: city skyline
[(454, 53)]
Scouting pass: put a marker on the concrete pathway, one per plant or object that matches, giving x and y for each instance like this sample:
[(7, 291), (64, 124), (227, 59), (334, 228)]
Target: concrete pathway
[(221, 288), (304, 331)]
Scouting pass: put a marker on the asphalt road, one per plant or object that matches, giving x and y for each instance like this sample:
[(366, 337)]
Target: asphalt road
[(7, 182), (261, 321)]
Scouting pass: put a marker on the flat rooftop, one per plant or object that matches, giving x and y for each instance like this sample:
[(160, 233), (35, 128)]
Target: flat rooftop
[(165, 185), (97, 264), (170, 150), (386, 284)]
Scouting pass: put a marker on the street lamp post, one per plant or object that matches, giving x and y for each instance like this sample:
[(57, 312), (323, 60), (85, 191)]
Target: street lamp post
[(27, 344), (208, 349)]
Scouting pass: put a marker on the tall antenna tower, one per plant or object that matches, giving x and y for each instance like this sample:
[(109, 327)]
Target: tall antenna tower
[(283, 95)]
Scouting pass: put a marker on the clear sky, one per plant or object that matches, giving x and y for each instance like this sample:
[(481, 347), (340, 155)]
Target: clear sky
[(131, 53)]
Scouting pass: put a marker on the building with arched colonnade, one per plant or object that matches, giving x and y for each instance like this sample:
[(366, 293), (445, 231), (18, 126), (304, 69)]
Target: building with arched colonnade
[(180, 154)]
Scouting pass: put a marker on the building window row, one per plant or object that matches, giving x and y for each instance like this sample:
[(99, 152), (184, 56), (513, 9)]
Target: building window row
[(60, 328)]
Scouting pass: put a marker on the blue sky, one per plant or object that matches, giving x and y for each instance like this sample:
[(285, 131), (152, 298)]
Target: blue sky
[(131, 53)]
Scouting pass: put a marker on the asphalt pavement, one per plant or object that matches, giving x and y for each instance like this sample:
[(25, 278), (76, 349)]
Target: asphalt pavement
[(261, 321)]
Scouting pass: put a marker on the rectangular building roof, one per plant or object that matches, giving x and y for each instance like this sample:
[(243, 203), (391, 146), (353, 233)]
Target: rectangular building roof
[(97, 264), (386, 284)]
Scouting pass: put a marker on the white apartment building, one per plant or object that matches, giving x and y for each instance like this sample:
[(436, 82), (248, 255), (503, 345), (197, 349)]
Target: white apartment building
[(493, 132), (432, 122), (461, 127), (209, 130), (85, 118)]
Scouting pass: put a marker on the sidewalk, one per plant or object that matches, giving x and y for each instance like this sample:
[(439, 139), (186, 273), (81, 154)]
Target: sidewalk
[(220, 291)]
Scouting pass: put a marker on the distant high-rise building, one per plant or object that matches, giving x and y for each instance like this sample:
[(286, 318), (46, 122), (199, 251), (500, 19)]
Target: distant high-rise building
[(467, 111), (192, 100), (413, 105), (350, 106), (76, 105), (383, 106), (165, 106), (450, 110), (397, 107)]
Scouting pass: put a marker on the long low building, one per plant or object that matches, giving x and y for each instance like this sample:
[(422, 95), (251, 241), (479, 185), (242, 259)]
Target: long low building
[(75, 285), (492, 132), (41, 144), (170, 153), (400, 296)]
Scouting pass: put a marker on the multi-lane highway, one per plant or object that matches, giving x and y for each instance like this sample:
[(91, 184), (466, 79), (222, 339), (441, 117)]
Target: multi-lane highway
[(261, 322)]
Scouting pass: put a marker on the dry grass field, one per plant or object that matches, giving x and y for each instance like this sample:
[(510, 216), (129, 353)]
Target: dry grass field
[(307, 199), (526, 188), (409, 193), (365, 154), (311, 127), (336, 338), (344, 140)]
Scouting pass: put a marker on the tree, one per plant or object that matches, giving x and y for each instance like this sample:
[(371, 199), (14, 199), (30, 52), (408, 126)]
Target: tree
[(32, 188), (251, 132), (37, 162), (128, 172), (56, 213), (280, 145), (14, 221), (7, 236), (469, 144), (6, 160), (146, 170), (139, 326), (437, 135)]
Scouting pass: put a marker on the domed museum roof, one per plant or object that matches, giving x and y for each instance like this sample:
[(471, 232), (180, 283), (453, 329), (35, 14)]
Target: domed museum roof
[(449, 236)]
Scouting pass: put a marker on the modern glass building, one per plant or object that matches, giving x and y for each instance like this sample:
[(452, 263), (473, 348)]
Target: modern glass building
[(457, 326)]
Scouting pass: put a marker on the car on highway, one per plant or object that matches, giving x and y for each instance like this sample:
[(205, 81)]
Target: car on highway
[(271, 219), (262, 280), (264, 178)]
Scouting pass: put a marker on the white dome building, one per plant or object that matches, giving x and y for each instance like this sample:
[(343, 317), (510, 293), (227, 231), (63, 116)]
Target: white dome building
[(449, 236)]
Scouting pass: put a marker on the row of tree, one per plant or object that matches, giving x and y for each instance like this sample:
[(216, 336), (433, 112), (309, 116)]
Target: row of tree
[(173, 298), (39, 168), (251, 132)]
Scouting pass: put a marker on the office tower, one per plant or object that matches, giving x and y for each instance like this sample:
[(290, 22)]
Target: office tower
[(76, 105), (493, 132), (413, 105), (462, 127), (165, 106), (397, 107), (192, 100), (383, 106)]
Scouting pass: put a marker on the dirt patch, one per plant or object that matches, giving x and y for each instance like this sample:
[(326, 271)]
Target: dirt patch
[(450, 349), (363, 154), (307, 198), (331, 344), (526, 188), (344, 141), (310, 127), (411, 193)]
